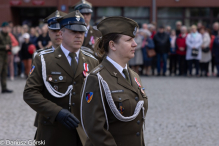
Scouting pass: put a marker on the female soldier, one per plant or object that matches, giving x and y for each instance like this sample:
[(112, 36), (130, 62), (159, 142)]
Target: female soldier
[(114, 104)]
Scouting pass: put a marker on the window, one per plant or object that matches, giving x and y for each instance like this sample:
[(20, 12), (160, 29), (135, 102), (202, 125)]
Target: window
[(108, 11)]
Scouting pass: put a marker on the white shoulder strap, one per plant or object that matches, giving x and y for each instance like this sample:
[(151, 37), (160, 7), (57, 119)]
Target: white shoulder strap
[(87, 54), (51, 90)]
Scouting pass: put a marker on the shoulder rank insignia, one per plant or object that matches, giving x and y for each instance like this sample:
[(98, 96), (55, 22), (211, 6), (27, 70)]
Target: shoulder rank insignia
[(31, 70), (89, 96)]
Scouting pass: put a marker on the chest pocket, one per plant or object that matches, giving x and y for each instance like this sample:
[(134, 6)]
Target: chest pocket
[(56, 81), (123, 104)]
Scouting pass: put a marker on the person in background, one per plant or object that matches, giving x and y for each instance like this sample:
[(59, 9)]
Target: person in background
[(147, 44), (5, 45), (145, 26), (206, 52), (137, 60), (91, 35), (152, 29), (199, 26), (211, 46), (14, 43), (25, 54), (38, 31), (168, 29), (194, 50), (178, 27), (215, 33), (215, 52), (44, 40), (33, 36), (181, 51), (173, 56), (162, 48)]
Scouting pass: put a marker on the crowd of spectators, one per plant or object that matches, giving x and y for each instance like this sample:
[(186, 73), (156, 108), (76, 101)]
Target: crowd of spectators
[(160, 51), (174, 52)]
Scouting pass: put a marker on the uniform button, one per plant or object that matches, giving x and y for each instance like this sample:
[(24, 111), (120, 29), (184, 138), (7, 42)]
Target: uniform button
[(55, 80), (120, 98), (73, 104), (138, 122), (136, 98), (73, 93), (74, 83), (137, 133)]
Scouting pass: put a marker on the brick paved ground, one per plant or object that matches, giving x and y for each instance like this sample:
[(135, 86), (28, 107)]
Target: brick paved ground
[(182, 112)]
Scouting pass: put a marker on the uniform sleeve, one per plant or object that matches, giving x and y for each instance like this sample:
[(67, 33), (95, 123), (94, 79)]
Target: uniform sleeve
[(32, 94), (93, 115)]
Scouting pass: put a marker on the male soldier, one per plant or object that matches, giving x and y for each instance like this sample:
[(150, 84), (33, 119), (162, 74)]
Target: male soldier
[(54, 34), (91, 34), (53, 86), (5, 45)]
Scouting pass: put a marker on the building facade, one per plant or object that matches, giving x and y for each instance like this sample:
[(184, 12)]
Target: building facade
[(163, 12)]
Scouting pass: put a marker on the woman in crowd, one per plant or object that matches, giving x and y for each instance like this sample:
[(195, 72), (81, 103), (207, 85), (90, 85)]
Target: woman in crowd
[(25, 54), (147, 44), (173, 56), (206, 53), (194, 50), (114, 115), (215, 52), (137, 61), (181, 51)]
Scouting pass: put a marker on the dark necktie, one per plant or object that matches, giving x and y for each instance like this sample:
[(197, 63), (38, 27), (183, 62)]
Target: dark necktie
[(74, 63), (126, 76)]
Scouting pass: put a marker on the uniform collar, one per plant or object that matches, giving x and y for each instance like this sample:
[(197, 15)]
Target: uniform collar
[(66, 52), (116, 65)]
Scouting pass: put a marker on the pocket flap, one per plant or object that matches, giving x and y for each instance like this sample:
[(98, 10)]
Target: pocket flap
[(56, 78)]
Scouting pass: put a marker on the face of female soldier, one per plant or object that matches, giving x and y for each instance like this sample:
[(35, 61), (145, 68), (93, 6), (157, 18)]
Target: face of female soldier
[(72, 40), (124, 49)]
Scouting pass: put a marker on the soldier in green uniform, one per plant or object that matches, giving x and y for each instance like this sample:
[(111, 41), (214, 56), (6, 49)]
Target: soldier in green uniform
[(5, 45), (55, 37), (91, 34), (54, 29), (53, 86), (113, 101)]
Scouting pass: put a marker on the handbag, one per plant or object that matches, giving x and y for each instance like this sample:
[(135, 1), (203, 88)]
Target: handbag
[(151, 53), (15, 50), (205, 50), (194, 52)]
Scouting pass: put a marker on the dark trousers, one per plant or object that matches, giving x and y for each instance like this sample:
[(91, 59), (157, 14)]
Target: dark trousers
[(153, 64), (173, 63), (3, 70), (164, 58), (212, 63), (181, 61), (204, 68), (217, 65), (190, 66)]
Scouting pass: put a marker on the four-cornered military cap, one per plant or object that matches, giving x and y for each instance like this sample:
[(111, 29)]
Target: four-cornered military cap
[(52, 19), (73, 21), (84, 7), (120, 25)]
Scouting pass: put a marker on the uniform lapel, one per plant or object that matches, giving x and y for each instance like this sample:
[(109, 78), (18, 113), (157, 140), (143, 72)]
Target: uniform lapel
[(81, 62), (63, 62), (114, 72)]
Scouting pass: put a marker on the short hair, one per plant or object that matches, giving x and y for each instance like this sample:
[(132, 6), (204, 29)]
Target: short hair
[(178, 23), (183, 27)]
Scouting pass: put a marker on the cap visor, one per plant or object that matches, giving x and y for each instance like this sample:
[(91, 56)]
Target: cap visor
[(86, 11), (76, 27), (54, 26)]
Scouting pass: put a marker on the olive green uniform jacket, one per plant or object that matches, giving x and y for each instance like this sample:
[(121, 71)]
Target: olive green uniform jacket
[(47, 106), (119, 133), (4, 40), (90, 39)]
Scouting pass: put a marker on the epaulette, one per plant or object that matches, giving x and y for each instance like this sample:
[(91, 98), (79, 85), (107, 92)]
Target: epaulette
[(46, 51), (97, 68), (88, 50), (87, 54)]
